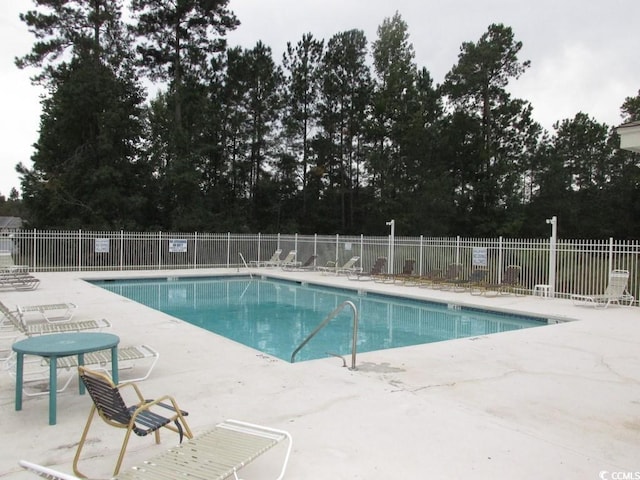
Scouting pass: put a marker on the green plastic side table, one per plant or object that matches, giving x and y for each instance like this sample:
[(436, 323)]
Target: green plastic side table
[(62, 345)]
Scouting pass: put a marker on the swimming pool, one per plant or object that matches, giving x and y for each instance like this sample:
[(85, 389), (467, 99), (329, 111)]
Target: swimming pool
[(275, 316)]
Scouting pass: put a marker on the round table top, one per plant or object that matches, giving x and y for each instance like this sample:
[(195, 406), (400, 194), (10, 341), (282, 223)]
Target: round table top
[(62, 344)]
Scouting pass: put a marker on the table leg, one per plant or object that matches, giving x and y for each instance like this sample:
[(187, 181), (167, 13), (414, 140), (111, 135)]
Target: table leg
[(53, 389), (80, 382), (19, 374), (114, 364)]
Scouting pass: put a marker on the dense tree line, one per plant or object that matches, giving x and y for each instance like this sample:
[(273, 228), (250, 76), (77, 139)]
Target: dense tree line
[(340, 135)]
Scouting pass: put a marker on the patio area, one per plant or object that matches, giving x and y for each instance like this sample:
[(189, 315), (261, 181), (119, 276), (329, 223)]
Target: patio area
[(561, 401)]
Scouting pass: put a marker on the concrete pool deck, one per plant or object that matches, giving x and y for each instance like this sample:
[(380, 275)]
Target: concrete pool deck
[(561, 401)]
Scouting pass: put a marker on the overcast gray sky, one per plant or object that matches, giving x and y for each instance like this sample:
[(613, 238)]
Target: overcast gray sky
[(585, 54)]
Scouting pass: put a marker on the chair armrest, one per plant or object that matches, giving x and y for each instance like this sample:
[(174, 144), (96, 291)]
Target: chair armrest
[(164, 401), (136, 389)]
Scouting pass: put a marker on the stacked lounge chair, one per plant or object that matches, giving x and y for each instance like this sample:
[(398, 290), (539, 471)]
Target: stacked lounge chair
[(13, 278)]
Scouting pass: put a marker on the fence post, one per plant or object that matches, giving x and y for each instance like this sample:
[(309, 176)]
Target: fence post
[(228, 249), (80, 250), (500, 259), (553, 221), (159, 250), (258, 258), (338, 248), (610, 255), (35, 243), (420, 255), (195, 249)]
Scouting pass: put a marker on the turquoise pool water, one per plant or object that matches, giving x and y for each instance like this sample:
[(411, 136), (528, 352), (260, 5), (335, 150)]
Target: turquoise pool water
[(275, 316)]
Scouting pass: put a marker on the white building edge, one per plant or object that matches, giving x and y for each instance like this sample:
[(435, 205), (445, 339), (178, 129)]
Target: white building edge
[(630, 136)]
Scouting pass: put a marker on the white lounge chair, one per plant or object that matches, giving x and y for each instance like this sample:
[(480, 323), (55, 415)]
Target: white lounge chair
[(290, 259), (51, 312), (273, 261), (616, 292), (347, 268), (214, 455), (11, 319)]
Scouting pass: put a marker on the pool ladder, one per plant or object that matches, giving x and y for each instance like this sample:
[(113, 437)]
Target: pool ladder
[(324, 323)]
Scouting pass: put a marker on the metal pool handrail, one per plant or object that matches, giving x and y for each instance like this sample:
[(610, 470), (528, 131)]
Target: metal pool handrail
[(324, 323), (245, 264)]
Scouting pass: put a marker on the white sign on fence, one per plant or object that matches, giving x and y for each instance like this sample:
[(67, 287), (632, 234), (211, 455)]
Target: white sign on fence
[(177, 246), (102, 245), (479, 257)]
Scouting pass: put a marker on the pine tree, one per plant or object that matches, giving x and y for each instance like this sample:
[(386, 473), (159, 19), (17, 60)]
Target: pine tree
[(87, 169)]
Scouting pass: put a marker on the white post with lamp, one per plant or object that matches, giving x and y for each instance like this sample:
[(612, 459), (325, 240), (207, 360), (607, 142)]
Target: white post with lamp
[(392, 240), (553, 221)]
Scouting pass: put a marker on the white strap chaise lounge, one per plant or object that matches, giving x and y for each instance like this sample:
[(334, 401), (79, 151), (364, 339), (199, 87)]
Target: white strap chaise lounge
[(215, 455), (11, 319), (616, 292), (274, 261), (51, 312)]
